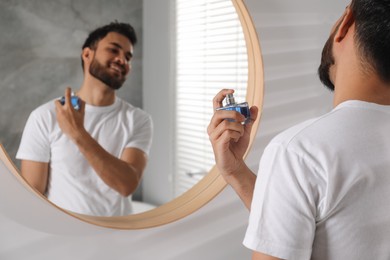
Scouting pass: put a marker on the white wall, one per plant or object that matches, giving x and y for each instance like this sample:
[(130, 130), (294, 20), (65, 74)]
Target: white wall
[(158, 96), (291, 34)]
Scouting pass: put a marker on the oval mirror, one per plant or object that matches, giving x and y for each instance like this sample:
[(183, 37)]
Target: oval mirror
[(188, 201)]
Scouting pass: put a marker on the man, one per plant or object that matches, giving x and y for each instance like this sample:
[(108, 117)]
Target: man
[(323, 186), (90, 160)]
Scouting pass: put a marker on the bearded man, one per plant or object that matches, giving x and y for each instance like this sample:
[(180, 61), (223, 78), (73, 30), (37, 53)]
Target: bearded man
[(323, 186), (91, 159)]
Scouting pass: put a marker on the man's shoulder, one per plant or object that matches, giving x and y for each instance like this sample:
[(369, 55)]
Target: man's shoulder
[(331, 127), (315, 130), (295, 132), (45, 109), (125, 106)]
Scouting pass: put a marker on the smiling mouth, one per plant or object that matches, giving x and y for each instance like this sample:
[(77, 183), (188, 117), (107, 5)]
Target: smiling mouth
[(117, 68)]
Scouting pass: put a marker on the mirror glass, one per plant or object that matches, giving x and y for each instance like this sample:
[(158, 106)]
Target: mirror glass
[(41, 56)]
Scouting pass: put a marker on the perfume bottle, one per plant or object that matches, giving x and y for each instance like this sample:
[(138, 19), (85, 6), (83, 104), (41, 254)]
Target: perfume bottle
[(242, 108), (74, 100)]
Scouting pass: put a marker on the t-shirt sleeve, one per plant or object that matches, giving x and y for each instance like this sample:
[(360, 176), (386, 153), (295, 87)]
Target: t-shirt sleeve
[(35, 145), (283, 211), (143, 131)]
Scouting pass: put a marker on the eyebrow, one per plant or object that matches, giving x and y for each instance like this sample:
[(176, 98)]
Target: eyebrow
[(120, 47)]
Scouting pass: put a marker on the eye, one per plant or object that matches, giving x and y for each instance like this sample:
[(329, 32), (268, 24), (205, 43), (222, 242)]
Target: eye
[(114, 50)]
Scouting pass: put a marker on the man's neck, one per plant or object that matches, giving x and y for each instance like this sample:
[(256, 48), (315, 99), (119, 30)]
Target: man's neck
[(358, 85), (96, 93)]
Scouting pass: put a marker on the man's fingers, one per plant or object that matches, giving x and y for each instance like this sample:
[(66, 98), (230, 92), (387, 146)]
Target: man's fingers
[(254, 111), (82, 106), (229, 130), (58, 104), (68, 93), (217, 101), (222, 115)]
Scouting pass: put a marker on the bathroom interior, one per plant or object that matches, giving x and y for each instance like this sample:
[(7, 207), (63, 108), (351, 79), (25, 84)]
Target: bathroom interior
[(184, 210)]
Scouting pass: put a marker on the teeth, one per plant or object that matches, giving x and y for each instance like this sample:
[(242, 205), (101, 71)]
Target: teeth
[(115, 67)]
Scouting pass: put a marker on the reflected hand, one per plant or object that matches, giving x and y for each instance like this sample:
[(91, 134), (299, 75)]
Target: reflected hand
[(229, 139), (71, 121)]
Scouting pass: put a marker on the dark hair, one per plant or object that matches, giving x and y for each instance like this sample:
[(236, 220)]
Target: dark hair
[(95, 36), (372, 21)]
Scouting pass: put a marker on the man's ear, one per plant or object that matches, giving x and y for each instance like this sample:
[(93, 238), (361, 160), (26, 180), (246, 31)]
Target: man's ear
[(347, 21), (86, 54)]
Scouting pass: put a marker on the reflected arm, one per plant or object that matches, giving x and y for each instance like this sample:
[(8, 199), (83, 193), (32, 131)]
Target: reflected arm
[(36, 174), (122, 174)]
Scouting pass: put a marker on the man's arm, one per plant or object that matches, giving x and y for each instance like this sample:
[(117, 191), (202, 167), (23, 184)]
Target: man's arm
[(124, 174), (36, 174), (260, 256), (121, 174), (230, 141)]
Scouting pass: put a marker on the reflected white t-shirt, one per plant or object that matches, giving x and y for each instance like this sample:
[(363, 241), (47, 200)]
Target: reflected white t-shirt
[(73, 184), (323, 188)]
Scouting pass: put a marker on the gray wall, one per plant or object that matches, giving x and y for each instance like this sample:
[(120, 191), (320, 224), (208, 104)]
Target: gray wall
[(40, 54), (158, 87)]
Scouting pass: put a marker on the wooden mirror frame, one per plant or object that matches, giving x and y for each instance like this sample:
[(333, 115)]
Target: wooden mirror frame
[(207, 188)]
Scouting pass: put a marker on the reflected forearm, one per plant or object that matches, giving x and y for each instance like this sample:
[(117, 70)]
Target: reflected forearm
[(116, 173)]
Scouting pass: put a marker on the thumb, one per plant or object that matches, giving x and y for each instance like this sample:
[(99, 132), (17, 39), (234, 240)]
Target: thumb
[(82, 105), (254, 111)]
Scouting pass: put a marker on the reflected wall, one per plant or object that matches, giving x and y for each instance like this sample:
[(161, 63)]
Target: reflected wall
[(40, 54)]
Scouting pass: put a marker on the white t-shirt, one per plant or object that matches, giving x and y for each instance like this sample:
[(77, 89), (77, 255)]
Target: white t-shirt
[(73, 184), (323, 188)]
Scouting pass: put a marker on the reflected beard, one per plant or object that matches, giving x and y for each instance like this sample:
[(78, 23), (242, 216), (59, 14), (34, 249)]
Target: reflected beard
[(101, 73), (327, 60)]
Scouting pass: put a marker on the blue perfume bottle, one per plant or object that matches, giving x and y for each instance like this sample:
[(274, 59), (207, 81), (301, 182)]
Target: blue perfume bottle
[(74, 100), (242, 108)]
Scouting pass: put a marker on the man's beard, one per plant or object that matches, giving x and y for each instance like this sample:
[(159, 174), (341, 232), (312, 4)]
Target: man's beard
[(101, 72), (327, 60)]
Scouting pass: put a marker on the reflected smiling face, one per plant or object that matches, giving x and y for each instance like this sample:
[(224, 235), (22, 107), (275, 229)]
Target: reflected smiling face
[(111, 61)]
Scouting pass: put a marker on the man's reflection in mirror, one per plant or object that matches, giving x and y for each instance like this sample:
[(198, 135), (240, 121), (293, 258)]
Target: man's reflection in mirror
[(90, 159)]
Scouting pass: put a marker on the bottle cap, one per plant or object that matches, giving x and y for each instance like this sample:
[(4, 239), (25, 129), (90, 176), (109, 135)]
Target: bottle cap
[(230, 99)]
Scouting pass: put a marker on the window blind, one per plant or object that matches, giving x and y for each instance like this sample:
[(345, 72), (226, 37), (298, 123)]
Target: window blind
[(210, 55)]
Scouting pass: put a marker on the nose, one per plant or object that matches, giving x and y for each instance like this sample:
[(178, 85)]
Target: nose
[(122, 61)]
